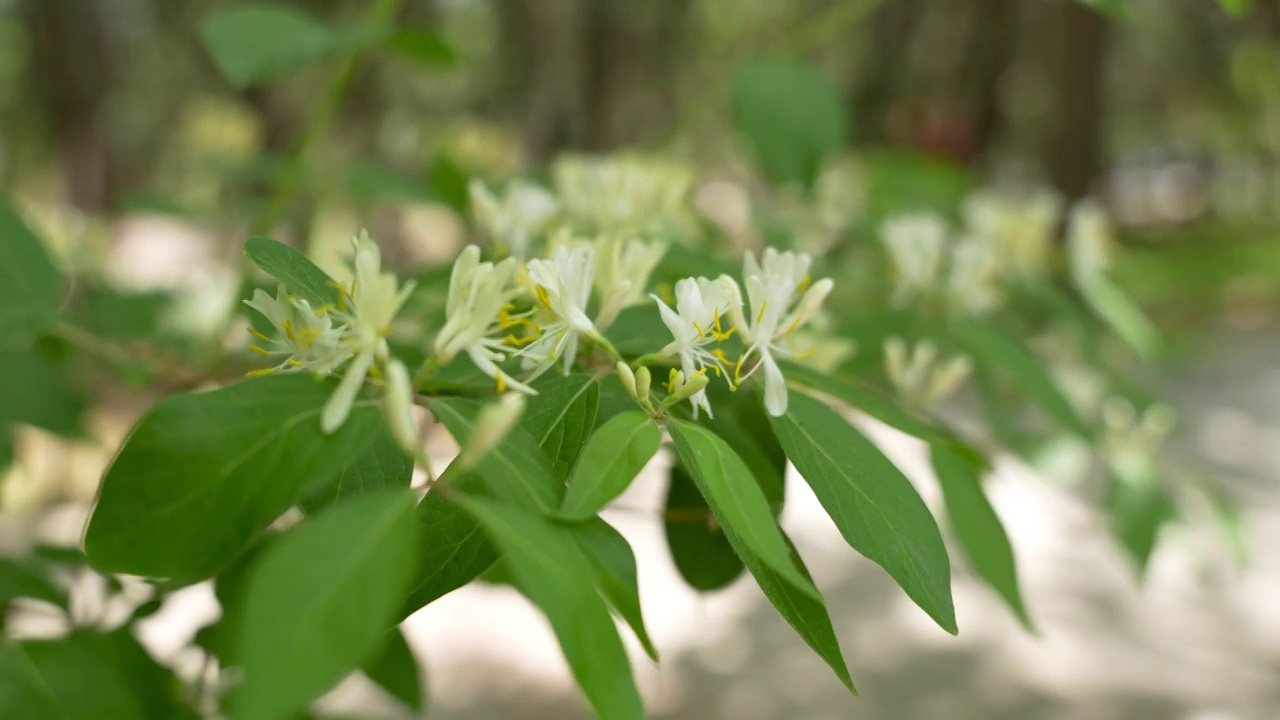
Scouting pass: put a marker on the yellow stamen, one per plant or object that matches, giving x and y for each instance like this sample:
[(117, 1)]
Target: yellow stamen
[(764, 304), (325, 308), (794, 324), (258, 349), (295, 362), (701, 333), (258, 335), (375, 373), (502, 383), (701, 371), (288, 330), (737, 369), (260, 373), (807, 353), (542, 296), (804, 284), (309, 336)]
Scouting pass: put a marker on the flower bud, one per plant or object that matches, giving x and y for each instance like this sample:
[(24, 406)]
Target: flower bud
[(690, 387), (492, 425), (627, 377), (643, 381), (398, 403)]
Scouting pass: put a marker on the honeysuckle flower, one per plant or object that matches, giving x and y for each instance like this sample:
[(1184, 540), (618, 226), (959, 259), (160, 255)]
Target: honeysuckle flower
[(623, 194), (1132, 440), (478, 314), (493, 422), (307, 337), (623, 268), (917, 375), (782, 300), (562, 286), (514, 219), (973, 279), (916, 245), (397, 402), (368, 305), (1020, 229), (1088, 241), (695, 323)]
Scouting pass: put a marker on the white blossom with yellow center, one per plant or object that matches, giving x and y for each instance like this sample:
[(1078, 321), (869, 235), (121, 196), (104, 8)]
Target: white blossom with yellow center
[(694, 324), (562, 286), (513, 220), (307, 337), (622, 271)]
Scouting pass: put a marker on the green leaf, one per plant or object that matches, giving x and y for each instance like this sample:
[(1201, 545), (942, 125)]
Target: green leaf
[(23, 692), (736, 500), (873, 504), (259, 42), (84, 684), (154, 687), (1139, 509), (293, 269), (702, 554), (32, 285), (321, 599), (1237, 8), (422, 46), (395, 669), (1125, 318), (203, 473), (552, 572), (807, 615), (741, 422), (455, 549), (614, 455), (449, 183), (615, 565), (35, 391), (791, 115), (19, 579), (516, 470), (998, 352), (561, 416), (380, 466), (222, 638), (978, 528)]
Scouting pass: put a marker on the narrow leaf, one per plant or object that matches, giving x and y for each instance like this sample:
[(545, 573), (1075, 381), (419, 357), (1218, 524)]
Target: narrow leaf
[(293, 269), (873, 504), (321, 599), (615, 565), (614, 455), (551, 571), (516, 470), (1124, 317), (32, 285), (978, 528), (702, 554), (203, 473), (395, 669), (735, 498), (561, 416)]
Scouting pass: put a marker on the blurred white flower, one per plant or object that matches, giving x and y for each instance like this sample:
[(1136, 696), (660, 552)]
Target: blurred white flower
[(622, 269), (695, 323), (397, 402), (1088, 241), (973, 279), (916, 245), (623, 193), (920, 379), (780, 304), (1020, 229), (514, 219)]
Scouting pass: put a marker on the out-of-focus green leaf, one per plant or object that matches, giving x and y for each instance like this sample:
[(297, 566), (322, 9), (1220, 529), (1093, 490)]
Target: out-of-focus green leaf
[(735, 498), (422, 46), (158, 692), (1114, 9), (873, 504), (321, 598), (293, 269), (702, 554), (23, 692), (614, 455), (902, 182), (203, 473), (1238, 8), (615, 565), (21, 579), (790, 114), (561, 416), (84, 684), (978, 528), (110, 313), (1139, 509), (448, 182), (32, 285), (551, 571), (1124, 317), (260, 42), (395, 669), (35, 391)]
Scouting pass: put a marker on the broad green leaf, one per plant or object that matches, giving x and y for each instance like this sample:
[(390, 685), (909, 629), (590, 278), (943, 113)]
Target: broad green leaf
[(1124, 317), (701, 552), (614, 455), (873, 504), (84, 684), (222, 638), (321, 599), (1139, 509), (516, 470), (203, 473), (806, 614), (791, 115), (615, 564), (1238, 8), (298, 274), (19, 579), (35, 391), (561, 416), (395, 669), (154, 687), (736, 500), (422, 46), (23, 692), (32, 285), (260, 42), (978, 528), (1000, 353), (455, 549), (380, 466), (552, 572)]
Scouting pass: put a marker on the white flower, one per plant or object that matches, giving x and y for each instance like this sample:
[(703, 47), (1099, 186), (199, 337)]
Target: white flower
[(1088, 241), (306, 336), (368, 305), (1019, 229), (513, 220), (623, 268), (916, 245), (695, 323), (623, 194), (563, 288), (397, 402), (477, 311), (780, 304), (917, 375), (973, 279)]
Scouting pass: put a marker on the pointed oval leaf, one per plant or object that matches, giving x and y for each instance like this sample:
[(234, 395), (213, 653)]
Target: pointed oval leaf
[(395, 669), (702, 554), (26, 694), (321, 599), (873, 504), (978, 528), (1139, 508), (84, 684), (735, 498), (615, 564), (516, 470), (560, 417), (614, 455), (552, 572), (258, 42), (31, 282), (203, 473), (293, 269)]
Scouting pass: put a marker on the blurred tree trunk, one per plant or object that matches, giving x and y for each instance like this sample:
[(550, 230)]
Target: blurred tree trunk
[(71, 57), (632, 53), (882, 67), (539, 71)]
